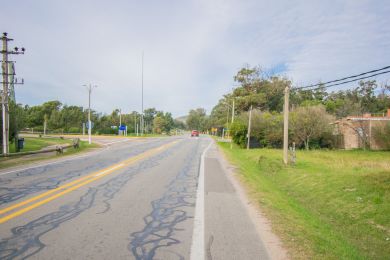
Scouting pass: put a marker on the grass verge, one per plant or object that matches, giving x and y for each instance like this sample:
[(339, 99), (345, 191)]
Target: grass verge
[(36, 143), (330, 205), (33, 144)]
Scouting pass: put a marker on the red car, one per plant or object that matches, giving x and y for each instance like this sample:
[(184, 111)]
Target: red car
[(194, 133)]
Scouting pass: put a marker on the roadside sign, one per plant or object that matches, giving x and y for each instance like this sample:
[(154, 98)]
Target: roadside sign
[(122, 128), (87, 125)]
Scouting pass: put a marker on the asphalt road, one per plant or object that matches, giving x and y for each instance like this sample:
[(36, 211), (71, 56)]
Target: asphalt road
[(132, 200)]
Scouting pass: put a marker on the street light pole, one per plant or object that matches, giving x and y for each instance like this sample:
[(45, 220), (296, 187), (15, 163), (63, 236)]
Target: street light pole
[(89, 88), (142, 95)]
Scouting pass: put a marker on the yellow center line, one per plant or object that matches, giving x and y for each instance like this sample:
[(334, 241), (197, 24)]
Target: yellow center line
[(68, 187)]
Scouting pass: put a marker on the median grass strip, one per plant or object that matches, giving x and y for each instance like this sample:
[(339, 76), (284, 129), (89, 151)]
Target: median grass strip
[(330, 205), (35, 143)]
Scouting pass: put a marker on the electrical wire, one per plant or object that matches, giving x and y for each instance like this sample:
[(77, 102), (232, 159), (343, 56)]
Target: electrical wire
[(349, 77)]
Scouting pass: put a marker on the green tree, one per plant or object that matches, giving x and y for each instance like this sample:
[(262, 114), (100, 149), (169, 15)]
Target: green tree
[(197, 119), (308, 123)]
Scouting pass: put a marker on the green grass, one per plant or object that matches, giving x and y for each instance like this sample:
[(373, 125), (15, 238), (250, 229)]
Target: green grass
[(35, 143), (330, 205)]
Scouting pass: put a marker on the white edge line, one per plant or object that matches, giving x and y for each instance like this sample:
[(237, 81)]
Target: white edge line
[(197, 246)]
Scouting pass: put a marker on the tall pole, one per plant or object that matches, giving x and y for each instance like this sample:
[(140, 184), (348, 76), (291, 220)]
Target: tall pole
[(89, 115), (142, 94), (5, 96), (89, 88), (8, 78), (135, 124), (249, 129), (233, 112), (120, 117), (285, 124), (231, 141)]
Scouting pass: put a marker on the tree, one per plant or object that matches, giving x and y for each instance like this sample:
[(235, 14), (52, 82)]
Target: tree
[(197, 119), (309, 123)]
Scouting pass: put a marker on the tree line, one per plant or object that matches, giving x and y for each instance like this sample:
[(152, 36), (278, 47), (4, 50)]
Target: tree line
[(62, 118), (311, 110)]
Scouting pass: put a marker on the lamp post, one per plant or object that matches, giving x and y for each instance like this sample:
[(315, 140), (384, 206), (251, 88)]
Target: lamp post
[(89, 88)]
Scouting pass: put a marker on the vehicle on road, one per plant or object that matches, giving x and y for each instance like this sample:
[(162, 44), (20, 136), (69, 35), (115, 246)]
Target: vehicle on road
[(194, 133)]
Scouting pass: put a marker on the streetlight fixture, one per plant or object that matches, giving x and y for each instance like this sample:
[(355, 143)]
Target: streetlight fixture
[(89, 88)]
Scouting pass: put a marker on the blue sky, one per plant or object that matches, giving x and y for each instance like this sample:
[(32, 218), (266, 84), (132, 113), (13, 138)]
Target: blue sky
[(192, 48)]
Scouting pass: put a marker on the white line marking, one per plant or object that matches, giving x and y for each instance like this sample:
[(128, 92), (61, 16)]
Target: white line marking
[(197, 246), (108, 170)]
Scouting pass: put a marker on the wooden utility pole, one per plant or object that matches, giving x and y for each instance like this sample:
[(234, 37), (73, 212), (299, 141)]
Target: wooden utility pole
[(249, 129), (285, 124), (231, 140)]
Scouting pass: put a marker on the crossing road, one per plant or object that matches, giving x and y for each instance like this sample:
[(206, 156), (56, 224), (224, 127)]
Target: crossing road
[(157, 198)]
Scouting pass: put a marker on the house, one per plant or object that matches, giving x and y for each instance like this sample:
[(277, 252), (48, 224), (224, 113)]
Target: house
[(354, 132)]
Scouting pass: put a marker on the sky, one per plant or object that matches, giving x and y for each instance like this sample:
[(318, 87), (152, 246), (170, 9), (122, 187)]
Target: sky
[(192, 49)]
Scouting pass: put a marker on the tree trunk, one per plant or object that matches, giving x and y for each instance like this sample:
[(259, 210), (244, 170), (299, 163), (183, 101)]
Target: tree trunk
[(307, 143)]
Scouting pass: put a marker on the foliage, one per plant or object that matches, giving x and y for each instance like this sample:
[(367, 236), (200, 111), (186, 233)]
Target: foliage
[(381, 134), (311, 122), (239, 131), (197, 119), (163, 123), (70, 119)]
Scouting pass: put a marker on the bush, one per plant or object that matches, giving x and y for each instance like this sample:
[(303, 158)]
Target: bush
[(74, 130), (239, 131), (381, 135)]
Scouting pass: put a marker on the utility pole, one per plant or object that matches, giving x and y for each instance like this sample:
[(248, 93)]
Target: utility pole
[(142, 94), (120, 122), (6, 82), (44, 124), (231, 141), (89, 88), (120, 117), (249, 129), (135, 124), (285, 124)]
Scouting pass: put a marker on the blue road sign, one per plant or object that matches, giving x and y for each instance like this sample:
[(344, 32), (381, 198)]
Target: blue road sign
[(122, 128), (87, 125)]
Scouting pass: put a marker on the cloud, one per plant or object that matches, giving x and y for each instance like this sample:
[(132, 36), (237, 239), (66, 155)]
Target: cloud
[(192, 48)]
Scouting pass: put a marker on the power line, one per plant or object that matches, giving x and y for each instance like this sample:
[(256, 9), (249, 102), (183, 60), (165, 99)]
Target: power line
[(344, 82), (349, 77)]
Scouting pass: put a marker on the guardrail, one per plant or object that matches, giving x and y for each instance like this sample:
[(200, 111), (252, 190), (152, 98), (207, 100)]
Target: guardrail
[(59, 149)]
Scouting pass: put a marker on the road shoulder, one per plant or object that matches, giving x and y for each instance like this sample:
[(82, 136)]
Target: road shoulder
[(272, 243)]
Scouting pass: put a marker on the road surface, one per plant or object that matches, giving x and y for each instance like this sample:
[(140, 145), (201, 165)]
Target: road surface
[(133, 200)]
